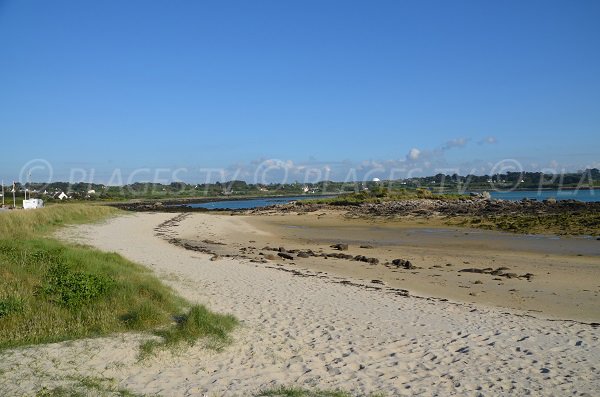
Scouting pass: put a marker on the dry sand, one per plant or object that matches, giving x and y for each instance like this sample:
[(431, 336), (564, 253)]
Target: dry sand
[(313, 332)]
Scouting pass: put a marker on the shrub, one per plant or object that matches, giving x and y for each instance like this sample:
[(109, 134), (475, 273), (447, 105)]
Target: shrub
[(74, 289)]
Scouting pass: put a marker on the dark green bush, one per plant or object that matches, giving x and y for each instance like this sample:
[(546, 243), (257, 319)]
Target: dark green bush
[(73, 289)]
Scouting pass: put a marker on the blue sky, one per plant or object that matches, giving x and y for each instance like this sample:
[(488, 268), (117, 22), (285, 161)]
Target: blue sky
[(333, 86)]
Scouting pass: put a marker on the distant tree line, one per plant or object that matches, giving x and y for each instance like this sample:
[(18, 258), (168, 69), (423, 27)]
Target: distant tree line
[(440, 183)]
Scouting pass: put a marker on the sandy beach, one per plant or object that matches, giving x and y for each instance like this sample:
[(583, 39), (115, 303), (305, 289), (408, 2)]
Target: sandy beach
[(318, 325), (549, 276)]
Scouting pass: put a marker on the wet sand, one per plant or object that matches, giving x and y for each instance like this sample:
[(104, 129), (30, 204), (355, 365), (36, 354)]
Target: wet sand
[(564, 272)]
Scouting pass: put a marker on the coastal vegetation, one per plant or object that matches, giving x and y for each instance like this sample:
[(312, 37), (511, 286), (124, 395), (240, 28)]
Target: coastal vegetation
[(381, 194), (567, 223), (53, 291)]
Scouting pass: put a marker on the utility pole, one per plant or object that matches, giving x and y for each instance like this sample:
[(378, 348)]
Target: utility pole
[(14, 195)]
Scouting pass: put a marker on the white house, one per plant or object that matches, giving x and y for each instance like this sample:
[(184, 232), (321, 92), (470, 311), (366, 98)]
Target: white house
[(62, 196), (33, 204)]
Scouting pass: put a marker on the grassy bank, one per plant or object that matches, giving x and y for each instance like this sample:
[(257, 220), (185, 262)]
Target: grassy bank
[(53, 291)]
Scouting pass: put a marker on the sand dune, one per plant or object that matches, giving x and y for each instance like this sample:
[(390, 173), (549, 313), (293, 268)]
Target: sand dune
[(311, 332)]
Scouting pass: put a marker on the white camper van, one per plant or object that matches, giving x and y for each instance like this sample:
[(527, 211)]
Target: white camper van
[(33, 204)]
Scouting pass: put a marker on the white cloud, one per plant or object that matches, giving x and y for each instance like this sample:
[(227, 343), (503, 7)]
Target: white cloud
[(414, 154), (458, 142), (488, 140)]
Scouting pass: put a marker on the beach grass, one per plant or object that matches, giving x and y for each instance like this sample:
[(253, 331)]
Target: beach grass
[(198, 323), (53, 291), (86, 386)]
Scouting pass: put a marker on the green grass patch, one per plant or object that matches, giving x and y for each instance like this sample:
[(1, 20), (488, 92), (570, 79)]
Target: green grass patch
[(53, 291), (34, 223), (198, 323), (85, 387)]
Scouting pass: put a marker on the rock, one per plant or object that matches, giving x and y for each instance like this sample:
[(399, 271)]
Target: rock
[(376, 281), (213, 242), (282, 249), (362, 258), (338, 255), (215, 258), (370, 246), (471, 270), (510, 275), (528, 276), (270, 257), (285, 255), (340, 246), (302, 255), (403, 263)]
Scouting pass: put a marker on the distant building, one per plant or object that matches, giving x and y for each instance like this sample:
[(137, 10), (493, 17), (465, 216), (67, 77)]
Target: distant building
[(62, 196)]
